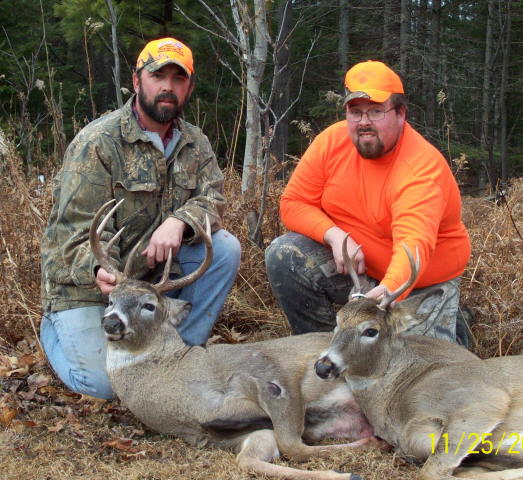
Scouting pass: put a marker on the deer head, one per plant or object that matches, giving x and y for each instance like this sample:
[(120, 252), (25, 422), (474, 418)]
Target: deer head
[(366, 328), (136, 307)]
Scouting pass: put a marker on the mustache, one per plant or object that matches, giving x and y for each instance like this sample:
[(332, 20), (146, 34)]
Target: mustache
[(367, 130), (166, 96)]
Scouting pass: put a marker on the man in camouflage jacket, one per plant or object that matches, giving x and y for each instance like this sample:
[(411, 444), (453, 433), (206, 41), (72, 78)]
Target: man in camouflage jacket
[(167, 173)]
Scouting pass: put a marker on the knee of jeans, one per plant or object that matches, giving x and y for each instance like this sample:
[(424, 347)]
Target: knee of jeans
[(277, 256), (226, 250), (92, 383)]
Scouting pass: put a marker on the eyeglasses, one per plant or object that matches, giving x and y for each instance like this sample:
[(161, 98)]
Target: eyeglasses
[(374, 115)]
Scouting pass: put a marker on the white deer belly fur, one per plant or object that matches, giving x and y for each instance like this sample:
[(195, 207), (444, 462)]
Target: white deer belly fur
[(336, 415)]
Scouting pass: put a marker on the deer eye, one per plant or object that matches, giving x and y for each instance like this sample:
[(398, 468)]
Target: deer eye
[(370, 332), (149, 306)]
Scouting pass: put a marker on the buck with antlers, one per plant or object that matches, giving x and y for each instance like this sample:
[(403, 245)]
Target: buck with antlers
[(433, 400), (258, 399)]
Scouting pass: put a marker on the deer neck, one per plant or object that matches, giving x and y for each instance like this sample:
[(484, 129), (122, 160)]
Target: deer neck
[(383, 367), (166, 343)]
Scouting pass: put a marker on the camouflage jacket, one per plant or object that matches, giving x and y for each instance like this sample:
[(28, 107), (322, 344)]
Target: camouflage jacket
[(113, 158)]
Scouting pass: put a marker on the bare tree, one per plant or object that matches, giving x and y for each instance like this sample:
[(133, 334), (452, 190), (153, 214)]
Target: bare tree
[(24, 82), (485, 137), (255, 59), (343, 43), (251, 42), (282, 78), (433, 58), (116, 69), (506, 27), (404, 36), (388, 23), (55, 107)]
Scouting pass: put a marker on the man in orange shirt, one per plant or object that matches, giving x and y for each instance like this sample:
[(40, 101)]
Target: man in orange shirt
[(372, 176)]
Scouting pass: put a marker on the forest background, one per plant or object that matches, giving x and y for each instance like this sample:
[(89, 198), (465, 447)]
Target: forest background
[(278, 64), (269, 77)]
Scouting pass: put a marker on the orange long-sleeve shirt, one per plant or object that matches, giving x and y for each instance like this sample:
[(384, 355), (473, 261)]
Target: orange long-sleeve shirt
[(408, 196)]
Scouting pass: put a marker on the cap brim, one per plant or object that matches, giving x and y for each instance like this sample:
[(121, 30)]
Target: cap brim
[(374, 95), (154, 66)]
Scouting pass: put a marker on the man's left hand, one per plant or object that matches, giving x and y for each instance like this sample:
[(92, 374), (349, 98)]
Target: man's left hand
[(168, 236), (377, 292)]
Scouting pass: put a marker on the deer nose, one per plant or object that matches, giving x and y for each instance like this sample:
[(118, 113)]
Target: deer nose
[(112, 324), (325, 368)]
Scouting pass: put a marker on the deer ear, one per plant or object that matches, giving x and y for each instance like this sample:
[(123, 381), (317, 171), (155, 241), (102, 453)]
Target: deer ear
[(177, 311), (414, 310)]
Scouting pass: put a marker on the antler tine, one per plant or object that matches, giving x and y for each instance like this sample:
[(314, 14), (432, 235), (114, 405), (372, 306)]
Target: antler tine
[(349, 266), (165, 284), (388, 298), (100, 253), (130, 257), (116, 237)]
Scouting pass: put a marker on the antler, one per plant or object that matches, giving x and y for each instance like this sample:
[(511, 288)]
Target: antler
[(165, 284), (388, 298), (349, 266), (100, 253)]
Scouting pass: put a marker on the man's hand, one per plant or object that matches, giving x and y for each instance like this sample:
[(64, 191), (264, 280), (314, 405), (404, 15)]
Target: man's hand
[(168, 236), (106, 281), (334, 237), (377, 292)]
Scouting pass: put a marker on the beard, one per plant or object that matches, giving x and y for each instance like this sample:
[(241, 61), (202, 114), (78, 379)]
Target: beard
[(164, 114), (371, 150)]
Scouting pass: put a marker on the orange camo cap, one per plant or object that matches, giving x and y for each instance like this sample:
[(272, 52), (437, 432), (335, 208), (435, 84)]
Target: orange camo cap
[(372, 80), (164, 51)]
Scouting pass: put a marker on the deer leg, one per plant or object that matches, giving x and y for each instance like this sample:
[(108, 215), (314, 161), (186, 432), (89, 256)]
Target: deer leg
[(512, 474), (467, 432), (286, 409), (260, 448)]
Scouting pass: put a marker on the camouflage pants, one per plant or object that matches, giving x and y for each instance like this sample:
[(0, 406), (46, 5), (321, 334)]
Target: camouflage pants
[(303, 278)]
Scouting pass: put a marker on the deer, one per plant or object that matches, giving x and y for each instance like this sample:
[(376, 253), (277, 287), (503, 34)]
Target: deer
[(434, 401), (258, 399)]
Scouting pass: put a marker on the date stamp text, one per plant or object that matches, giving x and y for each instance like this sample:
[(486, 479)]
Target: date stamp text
[(475, 443)]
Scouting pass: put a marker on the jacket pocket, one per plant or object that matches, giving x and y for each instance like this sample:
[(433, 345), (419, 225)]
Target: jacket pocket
[(141, 203), (184, 186)]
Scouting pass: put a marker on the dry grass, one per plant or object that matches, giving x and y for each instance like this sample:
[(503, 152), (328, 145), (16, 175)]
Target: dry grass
[(493, 281), (52, 434)]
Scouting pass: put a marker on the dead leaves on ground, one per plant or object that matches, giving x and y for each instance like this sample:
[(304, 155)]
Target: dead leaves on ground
[(18, 366), (32, 398)]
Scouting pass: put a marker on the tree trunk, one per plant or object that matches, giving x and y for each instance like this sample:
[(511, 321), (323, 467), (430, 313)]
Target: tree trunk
[(255, 67), (503, 91), (388, 22), (343, 42), (404, 37), (485, 136), (116, 69), (418, 69), (281, 83), (433, 65)]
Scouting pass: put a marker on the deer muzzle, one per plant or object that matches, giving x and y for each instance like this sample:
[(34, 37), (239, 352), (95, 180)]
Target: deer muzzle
[(325, 368), (113, 327)]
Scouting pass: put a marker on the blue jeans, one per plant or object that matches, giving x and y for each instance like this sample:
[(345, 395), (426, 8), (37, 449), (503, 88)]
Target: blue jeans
[(75, 343)]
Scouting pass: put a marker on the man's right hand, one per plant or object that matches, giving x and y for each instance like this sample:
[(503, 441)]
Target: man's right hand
[(334, 237), (105, 281)]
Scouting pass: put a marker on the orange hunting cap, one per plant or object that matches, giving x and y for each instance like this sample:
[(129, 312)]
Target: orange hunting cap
[(164, 51), (372, 80)]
